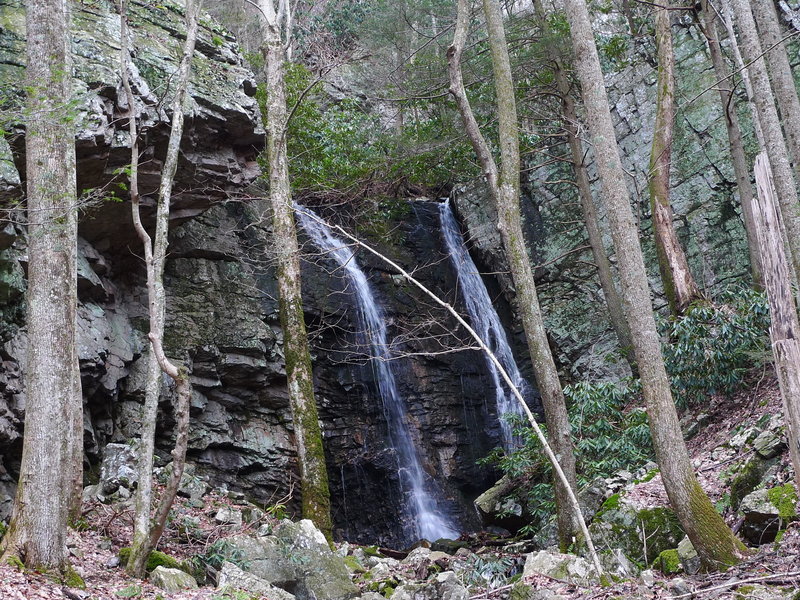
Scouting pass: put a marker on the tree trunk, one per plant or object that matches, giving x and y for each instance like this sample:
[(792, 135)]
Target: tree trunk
[(715, 543), (590, 218), (708, 20), (52, 446), (504, 189), (147, 531), (679, 285), (770, 123), (781, 71), (308, 436), (784, 329)]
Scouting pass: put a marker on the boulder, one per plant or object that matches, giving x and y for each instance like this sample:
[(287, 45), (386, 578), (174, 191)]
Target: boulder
[(296, 557), (564, 567), (749, 477), (620, 524), (767, 511), (172, 580), (118, 468), (232, 577), (769, 444), (445, 586), (229, 516)]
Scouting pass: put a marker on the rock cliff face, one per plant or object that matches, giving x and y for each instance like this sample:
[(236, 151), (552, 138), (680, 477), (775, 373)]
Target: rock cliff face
[(222, 309)]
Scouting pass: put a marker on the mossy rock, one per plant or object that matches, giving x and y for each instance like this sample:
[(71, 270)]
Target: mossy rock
[(72, 579), (156, 559), (619, 525), (784, 498), (748, 479), (668, 562)]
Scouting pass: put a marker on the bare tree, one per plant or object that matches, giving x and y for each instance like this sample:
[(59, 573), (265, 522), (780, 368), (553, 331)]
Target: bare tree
[(504, 188), (708, 24), (590, 218), (770, 123), (52, 453), (679, 284), (148, 528), (715, 543), (308, 437), (781, 75), (784, 328)]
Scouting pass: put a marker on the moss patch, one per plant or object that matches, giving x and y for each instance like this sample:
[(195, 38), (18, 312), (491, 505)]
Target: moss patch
[(784, 498), (71, 579), (156, 559), (668, 562)]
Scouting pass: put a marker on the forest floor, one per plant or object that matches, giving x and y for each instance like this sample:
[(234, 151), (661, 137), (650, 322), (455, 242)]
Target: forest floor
[(768, 573)]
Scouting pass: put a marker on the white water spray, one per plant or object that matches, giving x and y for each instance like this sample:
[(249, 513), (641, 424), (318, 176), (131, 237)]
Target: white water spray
[(485, 321)]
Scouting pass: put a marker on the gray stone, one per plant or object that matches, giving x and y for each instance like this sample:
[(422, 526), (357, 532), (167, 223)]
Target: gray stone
[(679, 587), (172, 580), (769, 444), (648, 577), (229, 516), (118, 468), (688, 555), (296, 557), (445, 586), (564, 567), (762, 517), (232, 577), (616, 563)]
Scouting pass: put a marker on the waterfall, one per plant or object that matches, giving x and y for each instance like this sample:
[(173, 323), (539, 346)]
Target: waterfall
[(485, 321), (427, 521)]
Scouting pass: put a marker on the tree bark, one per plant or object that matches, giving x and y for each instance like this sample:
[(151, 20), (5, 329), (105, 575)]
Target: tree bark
[(504, 188), (308, 436), (781, 71), (147, 531), (679, 284), (708, 24), (770, 123), (784, 328), (715, 543), (52, 456)]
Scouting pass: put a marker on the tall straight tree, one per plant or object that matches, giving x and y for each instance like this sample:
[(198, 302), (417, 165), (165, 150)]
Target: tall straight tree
[(504, 187), (52, 447), (147, 530), (770, 124), (715, 543), (709, 25), (308, 436), (590, 218), (679, 284), (781, 75)]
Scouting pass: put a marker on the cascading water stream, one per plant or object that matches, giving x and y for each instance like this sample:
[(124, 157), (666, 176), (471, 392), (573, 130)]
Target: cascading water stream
[(428, 521), (485, 321)]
